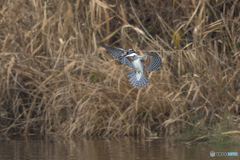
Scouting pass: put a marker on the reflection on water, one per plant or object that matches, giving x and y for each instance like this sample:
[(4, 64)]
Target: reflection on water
[(104, 149)]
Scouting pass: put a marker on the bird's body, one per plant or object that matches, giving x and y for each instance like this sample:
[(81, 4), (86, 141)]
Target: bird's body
[(128, 57), (138, 66), (136, 62)]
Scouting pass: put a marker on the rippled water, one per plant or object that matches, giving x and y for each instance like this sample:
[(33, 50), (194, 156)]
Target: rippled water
[(104, 149)]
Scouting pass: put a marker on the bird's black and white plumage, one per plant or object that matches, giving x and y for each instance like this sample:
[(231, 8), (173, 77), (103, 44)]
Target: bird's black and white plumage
[(128, 57), (120, 54)]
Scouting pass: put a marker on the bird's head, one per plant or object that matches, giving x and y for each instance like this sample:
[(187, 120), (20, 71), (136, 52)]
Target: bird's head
[(129, 51), (132, 55)]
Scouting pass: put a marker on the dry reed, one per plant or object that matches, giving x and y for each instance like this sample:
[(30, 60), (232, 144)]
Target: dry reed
[(56, 78)]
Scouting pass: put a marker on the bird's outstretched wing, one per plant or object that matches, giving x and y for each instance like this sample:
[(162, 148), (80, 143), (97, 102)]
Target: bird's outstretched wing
[(116, 52), (119, 54), (151, 61)]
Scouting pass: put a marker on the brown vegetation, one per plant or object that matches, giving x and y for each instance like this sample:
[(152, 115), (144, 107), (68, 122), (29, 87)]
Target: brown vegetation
[(56, 78)]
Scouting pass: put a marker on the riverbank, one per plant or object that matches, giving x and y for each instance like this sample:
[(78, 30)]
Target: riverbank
[(57, 79)]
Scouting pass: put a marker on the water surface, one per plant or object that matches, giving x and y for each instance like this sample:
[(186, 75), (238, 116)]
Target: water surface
[(104, 149)]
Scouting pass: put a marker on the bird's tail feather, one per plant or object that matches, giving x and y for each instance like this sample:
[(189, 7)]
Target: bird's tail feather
[(132, 75)]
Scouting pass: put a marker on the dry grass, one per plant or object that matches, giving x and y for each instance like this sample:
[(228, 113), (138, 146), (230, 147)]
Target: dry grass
[(56, 78)]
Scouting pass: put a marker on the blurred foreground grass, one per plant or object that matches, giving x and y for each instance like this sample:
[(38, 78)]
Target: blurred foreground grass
[(56, 78)]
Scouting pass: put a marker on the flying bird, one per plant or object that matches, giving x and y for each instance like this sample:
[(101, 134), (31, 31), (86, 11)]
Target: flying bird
[(129, 57)]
